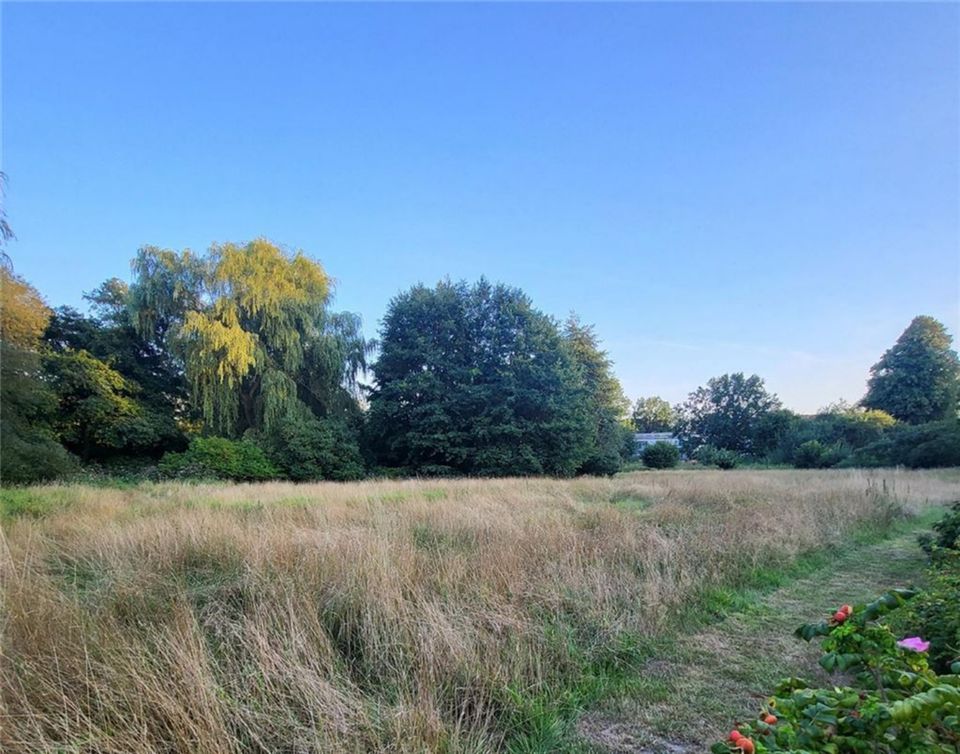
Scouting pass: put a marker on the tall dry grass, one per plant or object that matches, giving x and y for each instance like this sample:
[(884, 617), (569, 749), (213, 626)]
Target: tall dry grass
[(374, 616)]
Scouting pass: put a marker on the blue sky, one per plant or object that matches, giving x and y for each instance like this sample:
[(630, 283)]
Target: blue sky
[(766, 188)]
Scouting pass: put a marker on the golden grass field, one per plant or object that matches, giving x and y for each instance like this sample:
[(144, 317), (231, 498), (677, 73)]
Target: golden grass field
[(402, 616)]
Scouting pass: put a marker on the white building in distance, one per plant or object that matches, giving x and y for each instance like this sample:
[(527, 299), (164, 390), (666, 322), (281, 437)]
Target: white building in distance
[(643, 439)]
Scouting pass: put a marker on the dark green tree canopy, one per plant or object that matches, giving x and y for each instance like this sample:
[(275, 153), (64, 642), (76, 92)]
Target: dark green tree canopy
[(918, 379), (474, 380), (732, 412), (100, 412), (606, 404), (653, 415)]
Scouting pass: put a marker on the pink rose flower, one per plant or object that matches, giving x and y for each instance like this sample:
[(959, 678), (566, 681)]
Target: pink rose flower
[(914, 643)]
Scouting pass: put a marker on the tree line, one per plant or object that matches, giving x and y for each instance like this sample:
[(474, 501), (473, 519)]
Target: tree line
[(234, 364), (907, 417)]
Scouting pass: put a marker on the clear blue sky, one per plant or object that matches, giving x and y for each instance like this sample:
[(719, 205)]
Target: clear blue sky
[(768, 188)]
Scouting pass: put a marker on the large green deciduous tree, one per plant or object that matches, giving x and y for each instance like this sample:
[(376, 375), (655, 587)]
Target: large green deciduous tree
[(732, 412), (474, 380), (606, 404), (917, 380), (251, 326), (29, 451), (118, 394), (653, 415)]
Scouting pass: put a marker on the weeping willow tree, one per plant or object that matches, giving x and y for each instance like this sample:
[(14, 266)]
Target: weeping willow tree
[(252, 327)]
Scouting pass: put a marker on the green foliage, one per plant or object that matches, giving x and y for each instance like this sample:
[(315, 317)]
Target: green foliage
[(732, 412), (947, 529), (30, 452), (838, 430), (218, 458), (815, 455), (251, 327), (900, 703), (653, 415), (29, 503), (473, 380), (935, 614), (933, 445), (710, 455), (918, 379), (661, 455), (98, 413), (306, 448), (898, 700), (111, 336), (605, 402)]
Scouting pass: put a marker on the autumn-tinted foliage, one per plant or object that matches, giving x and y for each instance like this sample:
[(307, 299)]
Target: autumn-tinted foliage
[(30, 451)]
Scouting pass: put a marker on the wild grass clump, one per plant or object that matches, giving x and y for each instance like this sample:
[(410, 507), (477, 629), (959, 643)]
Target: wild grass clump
[(378, 616)]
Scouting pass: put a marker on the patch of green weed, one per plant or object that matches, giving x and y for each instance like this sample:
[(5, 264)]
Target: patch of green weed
[(16, 502)]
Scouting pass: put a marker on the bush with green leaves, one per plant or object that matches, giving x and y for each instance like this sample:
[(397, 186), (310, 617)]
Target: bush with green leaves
[(947, 529), (719, 457), (660, 455), (813, 454), (922, 446), (898, 703), (935, 614), (218, 458), (708, 455), (307, 448), (905, 695)]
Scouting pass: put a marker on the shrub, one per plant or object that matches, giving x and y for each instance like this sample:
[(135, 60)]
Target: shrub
[(307, 449), (813, 454), (218, 458), (935, 614), (722, 458), (661, 455), (809, 455), (897, 698), (32, 455), (922, 446), (726, 459), (948, 529)]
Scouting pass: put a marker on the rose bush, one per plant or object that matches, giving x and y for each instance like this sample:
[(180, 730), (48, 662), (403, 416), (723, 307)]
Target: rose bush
[(896, 703)]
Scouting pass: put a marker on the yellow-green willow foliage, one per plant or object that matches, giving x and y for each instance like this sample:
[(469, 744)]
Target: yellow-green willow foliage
[(250, 323)]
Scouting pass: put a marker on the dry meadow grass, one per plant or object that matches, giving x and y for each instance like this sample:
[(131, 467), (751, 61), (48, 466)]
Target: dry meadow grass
[(375, 616)]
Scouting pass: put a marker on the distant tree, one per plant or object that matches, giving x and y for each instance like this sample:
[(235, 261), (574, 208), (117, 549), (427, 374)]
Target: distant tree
[(653, 415), (606, 404), (474, 380), (838, 429), (731, 412), (928, 445), (30, 451), (918, 379)]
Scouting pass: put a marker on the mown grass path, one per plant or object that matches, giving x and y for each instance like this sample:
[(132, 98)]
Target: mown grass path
[(689, 695)]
